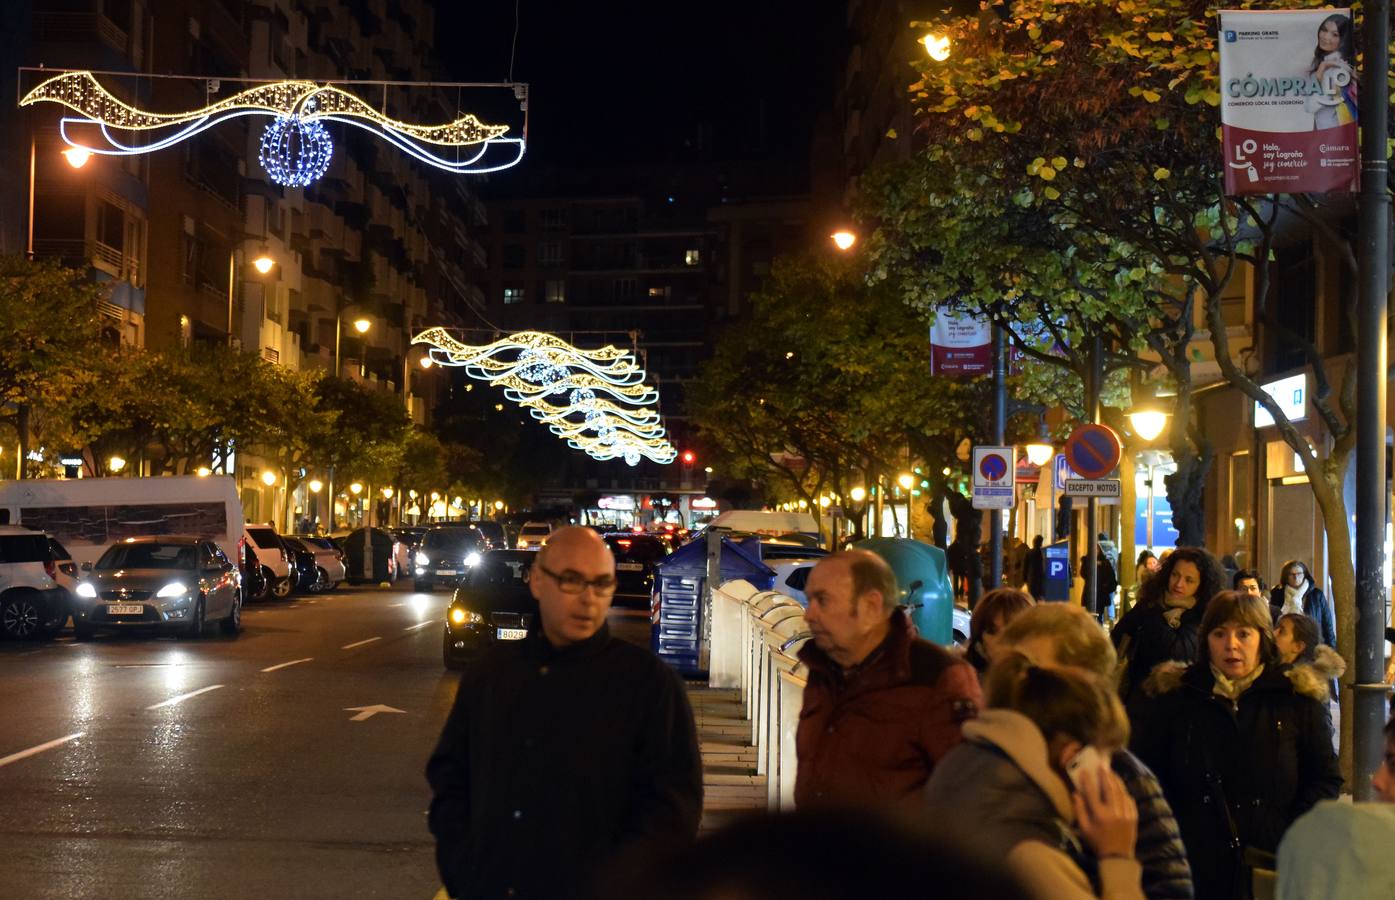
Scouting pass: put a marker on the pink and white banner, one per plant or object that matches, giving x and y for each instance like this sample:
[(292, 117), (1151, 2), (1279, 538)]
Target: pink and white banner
[(960, 345), (1288, 101)]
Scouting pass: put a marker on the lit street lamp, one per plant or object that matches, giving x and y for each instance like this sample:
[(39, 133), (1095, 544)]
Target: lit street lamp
[(77, 157), (843, 239), (937, 45)]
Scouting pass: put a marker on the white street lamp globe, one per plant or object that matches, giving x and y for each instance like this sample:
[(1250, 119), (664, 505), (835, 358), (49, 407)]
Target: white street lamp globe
[(1148, 423)]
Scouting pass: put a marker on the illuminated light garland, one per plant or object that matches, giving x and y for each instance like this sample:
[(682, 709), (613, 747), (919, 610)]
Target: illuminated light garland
[(305, 104), (295, 152), (606, 412)]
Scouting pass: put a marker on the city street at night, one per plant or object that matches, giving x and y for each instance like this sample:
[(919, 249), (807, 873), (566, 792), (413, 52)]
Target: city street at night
[(248, 767)]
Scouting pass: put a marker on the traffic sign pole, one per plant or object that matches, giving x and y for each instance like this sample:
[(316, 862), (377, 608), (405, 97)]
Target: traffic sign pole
[(1092, 543), (995, 518)]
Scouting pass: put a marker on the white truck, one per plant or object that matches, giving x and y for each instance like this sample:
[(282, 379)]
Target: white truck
[(87, 515)]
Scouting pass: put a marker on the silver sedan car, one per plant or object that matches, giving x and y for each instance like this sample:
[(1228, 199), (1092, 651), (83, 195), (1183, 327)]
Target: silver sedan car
[(172, 583)]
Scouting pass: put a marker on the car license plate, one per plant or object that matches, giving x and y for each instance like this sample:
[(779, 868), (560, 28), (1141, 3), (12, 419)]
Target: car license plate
[(510, 634), (124, 609), (445, 571), (629, 567)]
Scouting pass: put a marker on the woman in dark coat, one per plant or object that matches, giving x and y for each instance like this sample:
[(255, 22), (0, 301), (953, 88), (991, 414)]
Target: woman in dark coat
[(1241, 745), (1163, 624), (1296, 592)]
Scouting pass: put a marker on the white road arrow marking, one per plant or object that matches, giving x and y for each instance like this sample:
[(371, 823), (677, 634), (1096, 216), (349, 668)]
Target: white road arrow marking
[(368, 712)]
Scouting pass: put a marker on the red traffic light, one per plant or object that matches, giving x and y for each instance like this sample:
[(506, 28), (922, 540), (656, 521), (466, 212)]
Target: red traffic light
[(688, 457)]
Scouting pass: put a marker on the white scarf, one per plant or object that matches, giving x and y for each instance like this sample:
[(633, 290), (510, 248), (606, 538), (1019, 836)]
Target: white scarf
[(1293, 598)]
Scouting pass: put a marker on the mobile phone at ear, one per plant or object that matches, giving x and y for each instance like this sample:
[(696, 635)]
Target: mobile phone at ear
[(1089, 758)]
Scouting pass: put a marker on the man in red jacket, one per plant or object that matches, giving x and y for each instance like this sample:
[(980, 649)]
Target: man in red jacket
[(882, 706)]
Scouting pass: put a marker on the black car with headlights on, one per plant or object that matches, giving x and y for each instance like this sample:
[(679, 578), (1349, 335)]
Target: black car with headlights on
[(491, 603), (635, 556), (446, 554)]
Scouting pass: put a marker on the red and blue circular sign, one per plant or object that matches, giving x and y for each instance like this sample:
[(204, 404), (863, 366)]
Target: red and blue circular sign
[(993, 467), (1093, 451)]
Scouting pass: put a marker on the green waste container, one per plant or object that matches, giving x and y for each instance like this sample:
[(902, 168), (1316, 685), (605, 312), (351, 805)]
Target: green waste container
[(923, 577)]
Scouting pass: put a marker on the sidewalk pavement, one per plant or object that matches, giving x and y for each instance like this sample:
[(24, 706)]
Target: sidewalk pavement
[(730, 784)]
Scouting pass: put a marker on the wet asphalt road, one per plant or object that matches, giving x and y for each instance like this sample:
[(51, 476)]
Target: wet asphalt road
[(151, 767)]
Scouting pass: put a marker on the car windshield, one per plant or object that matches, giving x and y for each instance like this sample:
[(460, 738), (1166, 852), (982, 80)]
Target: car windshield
[(495, 572), (295, 544), (322, 543), (456, 540), (536, 530), (149, 556), (265, 537), (492, 530)]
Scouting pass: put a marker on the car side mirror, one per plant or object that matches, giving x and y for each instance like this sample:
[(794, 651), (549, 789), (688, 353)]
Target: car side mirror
[(87, 567)]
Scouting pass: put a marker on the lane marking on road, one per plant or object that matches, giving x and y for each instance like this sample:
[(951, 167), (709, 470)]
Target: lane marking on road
[(418, 625), (367, 712), (176, 700), (359, 643), (33, 751), (284, 664)]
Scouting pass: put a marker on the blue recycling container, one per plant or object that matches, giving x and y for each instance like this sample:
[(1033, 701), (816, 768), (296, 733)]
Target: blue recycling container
[(922, 574), (676, 625), (1056, 559)]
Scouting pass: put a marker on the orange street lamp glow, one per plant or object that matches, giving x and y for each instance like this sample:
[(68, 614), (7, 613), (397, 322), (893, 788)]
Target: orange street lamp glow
[(77, 157), (844, 240), (427, 362), (937, 46), (362, 325), (263, 263)]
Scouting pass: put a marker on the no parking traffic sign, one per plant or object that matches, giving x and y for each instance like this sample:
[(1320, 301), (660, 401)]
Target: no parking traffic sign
[(995, 477), (1093, 451)]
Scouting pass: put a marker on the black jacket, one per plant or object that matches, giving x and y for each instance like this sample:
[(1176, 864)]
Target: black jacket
[(1236, 775), (1315, 607), (552, 761), (1144, 638)]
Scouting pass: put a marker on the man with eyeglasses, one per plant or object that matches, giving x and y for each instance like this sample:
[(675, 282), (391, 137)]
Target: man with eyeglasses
[(563, 749)]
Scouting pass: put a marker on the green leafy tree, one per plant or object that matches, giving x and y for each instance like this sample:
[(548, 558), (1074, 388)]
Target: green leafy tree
[(1104, 118), (48, 327)]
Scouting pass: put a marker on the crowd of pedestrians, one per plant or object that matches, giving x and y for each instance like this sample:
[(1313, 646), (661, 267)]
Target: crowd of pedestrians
[(1180, 755)]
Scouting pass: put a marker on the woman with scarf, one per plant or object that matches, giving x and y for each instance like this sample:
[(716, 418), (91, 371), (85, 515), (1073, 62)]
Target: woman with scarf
[(1297, 593), (1241, 743), (1163, 624)]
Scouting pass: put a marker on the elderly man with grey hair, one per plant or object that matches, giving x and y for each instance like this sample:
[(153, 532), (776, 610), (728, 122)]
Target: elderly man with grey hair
[(882, 706)]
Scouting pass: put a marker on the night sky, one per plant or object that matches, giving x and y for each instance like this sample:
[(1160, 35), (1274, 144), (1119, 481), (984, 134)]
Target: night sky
[(651, 81)]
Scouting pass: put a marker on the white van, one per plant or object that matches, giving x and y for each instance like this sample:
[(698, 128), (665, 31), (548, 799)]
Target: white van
[(87, 515), (767, 522)]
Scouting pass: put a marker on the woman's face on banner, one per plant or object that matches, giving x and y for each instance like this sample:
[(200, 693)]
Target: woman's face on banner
[(1329, 37)]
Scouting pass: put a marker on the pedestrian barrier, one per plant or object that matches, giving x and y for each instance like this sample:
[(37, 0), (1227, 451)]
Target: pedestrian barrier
[(756, 637)]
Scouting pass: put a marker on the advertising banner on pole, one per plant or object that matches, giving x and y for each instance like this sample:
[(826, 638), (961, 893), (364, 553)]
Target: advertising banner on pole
[(960, 345), (1288, 101)]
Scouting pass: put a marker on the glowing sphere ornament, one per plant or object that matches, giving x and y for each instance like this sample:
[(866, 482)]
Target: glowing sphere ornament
[(295, 152)]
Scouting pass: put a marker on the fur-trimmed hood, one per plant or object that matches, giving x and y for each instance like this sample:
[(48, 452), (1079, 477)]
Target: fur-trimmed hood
[(1307, 679)]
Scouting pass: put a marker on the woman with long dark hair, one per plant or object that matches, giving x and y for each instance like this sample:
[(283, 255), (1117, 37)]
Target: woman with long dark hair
[(1334, 67), (1297, 592), (1163, 624)]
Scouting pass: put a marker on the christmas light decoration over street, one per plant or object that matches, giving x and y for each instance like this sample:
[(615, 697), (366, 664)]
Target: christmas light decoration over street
[(533, 367), (295, 148)]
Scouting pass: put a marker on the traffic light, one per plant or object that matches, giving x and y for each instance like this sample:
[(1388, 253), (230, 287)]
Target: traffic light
[(688, 457)]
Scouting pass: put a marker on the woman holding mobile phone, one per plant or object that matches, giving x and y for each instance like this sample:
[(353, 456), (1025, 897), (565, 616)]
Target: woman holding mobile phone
[(1241, 745), (1032, 784)]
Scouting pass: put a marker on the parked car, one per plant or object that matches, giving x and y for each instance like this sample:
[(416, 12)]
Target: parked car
[(170, 583), (33, 603), (67, 574), (275, 559), (305, 573), (635, 556), (492, 603), (328, 558), (533, 535), (493, 533), (447, 554), (254, 583)]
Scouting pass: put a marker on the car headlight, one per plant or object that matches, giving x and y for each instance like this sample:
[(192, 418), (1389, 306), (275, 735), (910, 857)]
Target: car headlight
[(460, 616), (472, 560), (423, 560), (173, 589), (87, 590)]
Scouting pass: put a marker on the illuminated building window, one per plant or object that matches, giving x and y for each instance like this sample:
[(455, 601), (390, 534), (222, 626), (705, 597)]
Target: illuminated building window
[(692, 257), (556, 291), (513, 295)]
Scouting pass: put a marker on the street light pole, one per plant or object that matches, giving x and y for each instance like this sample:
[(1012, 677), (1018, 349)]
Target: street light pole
[(995, 517), (1092, 541), (1369, 699), (232, 290)]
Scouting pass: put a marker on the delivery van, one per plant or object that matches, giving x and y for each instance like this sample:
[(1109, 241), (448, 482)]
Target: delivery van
[(87, 515)]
